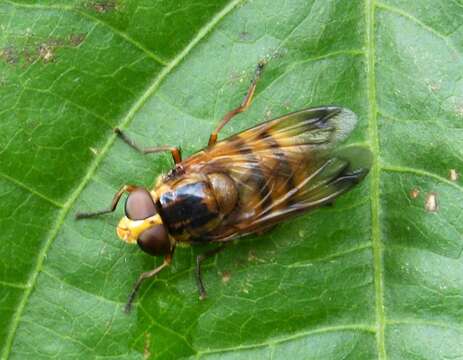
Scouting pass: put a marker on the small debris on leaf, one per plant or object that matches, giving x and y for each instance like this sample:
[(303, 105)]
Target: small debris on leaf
[(453, 175), (103, 7), (430, 203), (268, 114), (10, 55), (76, 39), (46, 53), (414, 193), (226, 276), (252, 256)]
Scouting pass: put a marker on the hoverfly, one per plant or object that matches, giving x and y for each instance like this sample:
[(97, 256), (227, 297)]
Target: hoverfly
[(242, 185)]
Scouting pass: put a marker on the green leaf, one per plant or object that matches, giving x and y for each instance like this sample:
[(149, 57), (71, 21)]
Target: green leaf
[(375, 276)]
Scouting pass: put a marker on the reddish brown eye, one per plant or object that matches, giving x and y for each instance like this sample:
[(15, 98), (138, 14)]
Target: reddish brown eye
[(139, 205), (154, 241)]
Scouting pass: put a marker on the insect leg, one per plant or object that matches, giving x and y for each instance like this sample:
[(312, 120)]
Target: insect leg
[(243, 107), (175, 151), (143, 276), (112, 207), (199, 259)]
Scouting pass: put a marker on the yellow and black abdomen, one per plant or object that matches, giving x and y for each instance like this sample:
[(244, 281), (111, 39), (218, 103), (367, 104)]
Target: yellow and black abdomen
[(191, 208)]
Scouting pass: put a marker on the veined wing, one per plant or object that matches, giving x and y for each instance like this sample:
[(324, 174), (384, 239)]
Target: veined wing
[(281, 167)]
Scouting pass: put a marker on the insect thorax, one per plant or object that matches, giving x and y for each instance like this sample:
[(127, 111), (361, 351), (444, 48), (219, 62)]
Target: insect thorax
[(195, 204)]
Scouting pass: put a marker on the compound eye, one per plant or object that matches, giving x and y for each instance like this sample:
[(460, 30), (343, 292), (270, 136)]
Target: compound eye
[(139, 205), (155, 241)]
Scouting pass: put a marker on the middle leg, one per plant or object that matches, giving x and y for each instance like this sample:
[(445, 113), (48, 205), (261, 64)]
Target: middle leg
[(111, 208), (174, 150), (199, 259)]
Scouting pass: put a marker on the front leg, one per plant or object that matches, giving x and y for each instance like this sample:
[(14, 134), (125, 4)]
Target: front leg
[(111, 208)]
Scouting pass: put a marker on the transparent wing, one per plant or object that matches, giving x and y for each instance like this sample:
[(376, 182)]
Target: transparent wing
[(281, 167)]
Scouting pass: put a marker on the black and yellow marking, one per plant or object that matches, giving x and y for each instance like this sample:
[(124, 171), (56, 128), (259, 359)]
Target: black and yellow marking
[(189, 209)]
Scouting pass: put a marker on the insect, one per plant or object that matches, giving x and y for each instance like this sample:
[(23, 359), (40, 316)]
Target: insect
[(242, 185)]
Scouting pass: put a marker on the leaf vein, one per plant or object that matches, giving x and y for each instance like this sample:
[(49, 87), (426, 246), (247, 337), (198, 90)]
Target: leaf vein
[(419, 172), (58, 334), (425, 323), (327, 329), (410, 17), (99, 297), (32, 191), (373, 132), (13, 285)]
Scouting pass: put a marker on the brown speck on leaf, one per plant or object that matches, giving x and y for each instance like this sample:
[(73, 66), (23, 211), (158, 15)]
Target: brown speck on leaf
[(453, 175), (244, 35), (252, 255), (46, 53), (146, 346), (268, 114), (30, 125), (434, 86), (430, 204), (54, 42), (460, 110), (76, 39), (234, 76), (414, 193), (287, 105), (29, 56), (276, 54), (10, 55), (103, 7), (226, 276)]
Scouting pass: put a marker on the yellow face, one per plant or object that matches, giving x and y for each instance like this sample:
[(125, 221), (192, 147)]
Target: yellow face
[(129, 230)]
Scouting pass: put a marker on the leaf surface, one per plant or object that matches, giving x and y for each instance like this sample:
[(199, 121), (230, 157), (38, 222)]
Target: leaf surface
[(378, 275)]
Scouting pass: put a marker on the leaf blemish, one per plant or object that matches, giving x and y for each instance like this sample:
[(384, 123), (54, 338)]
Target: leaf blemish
[(434, 86), (252, 255), (453, 175), (9, 55), (244, 35), (431, 204), (46, 52), (146, 346), (460, 110), (414, 193), (77, 39), (103, 7), (226, 276)]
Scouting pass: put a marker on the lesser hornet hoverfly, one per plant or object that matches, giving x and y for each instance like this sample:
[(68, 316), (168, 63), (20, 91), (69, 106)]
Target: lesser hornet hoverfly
[(242, 185)]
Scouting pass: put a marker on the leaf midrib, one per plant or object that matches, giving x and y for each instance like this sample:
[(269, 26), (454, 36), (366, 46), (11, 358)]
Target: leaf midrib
[(374, 180), (126, 120)]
